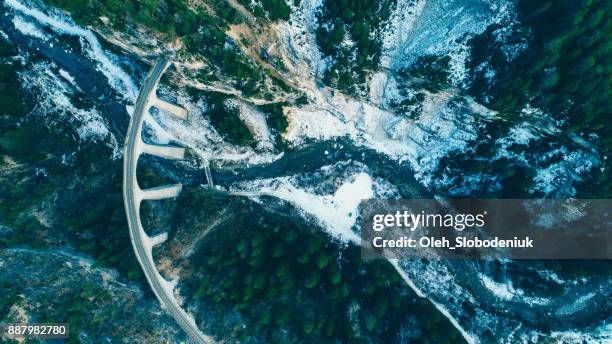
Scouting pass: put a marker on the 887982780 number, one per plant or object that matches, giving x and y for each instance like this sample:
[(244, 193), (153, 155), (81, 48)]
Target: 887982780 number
[(38, 331)]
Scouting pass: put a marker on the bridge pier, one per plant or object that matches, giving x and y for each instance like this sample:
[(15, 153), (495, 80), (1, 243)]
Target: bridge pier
[(160, 192), (166, 152), (133, 195), (175, 110)]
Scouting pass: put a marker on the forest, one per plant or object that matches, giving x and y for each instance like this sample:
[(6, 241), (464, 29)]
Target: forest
[(293, 284), (225, 117), (42, 195), (357, 20), (43, 179), (202, 33), (284, 277), (565, 70), (271, 9)]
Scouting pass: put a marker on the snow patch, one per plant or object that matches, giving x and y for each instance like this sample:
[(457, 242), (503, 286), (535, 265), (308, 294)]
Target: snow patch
[(442, 127), (298, 38), (438, 27), (560, 177), (28, 28), (384, 90), (105, 62), (507, 292), (117, 78), (601, 334), (255, 121), (198, 134), (550, 275), (336, 212), (504, 291), (64, 74), (330, 195), (579, 303), (53, 103), (519, 135)]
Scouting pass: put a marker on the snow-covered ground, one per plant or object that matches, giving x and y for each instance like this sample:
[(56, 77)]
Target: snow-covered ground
[(255, 121), (117, 77), (440, 27), (52, 89), (196, 133), (445, 123), (335, 212), (331, 197), (30, 20), (442, 127), (297, 36), (28, 28)]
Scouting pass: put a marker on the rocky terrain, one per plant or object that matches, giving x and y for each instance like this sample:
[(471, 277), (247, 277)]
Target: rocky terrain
[(44, 286)]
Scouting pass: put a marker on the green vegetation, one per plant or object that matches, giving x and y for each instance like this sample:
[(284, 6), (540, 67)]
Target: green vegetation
[(96, 223), (271, 9), (202, 33), (564, 71), (7, 298), (358, 20), (56, 187), (226, 119), (208, 40), (291, 283), (77, 302), (427, 73), (431, 70), (274, 114), (52, 286), (149, 177), (276, 120), (173, 17)]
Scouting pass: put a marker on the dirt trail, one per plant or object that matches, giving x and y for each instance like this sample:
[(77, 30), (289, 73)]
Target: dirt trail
[(242, 10)]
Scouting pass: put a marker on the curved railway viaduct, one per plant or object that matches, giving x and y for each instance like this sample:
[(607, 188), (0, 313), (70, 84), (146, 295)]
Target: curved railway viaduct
[(133, 196)]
